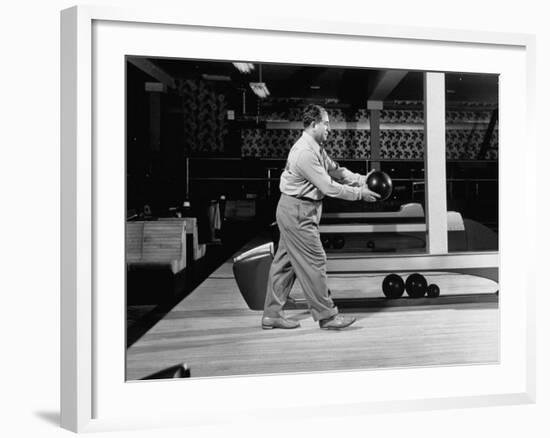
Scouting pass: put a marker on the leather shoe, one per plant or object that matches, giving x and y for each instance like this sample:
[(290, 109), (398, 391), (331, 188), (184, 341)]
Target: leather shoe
[(336, 322), (282, 323)]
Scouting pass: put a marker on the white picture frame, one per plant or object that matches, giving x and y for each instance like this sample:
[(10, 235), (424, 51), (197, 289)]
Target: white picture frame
[(94, 395)]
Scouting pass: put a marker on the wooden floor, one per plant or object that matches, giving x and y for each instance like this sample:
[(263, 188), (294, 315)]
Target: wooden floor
[(215, 334)]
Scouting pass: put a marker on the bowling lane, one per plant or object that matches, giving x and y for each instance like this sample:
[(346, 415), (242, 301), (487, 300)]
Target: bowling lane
[(215, 333)]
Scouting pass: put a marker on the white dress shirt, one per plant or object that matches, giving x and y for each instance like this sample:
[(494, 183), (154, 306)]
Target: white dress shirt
[(311, 173)]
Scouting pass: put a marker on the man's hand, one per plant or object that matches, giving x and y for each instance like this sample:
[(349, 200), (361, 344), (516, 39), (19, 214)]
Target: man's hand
[(368, 195)]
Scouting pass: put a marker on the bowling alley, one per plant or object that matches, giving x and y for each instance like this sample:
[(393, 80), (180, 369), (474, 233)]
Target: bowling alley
[(392, 176)]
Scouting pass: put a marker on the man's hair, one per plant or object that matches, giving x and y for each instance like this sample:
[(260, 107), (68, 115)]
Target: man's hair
[(313, 113)]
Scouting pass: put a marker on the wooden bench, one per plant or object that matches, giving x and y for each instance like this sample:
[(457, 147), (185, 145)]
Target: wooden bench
[(196, 250), (156, 243), (155, 259)]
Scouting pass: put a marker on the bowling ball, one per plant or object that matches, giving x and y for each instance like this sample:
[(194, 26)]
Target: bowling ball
[(325, 241), (338, 242), (370, 244), (381, 183), (416, 285), (393, 286), (433, 290)]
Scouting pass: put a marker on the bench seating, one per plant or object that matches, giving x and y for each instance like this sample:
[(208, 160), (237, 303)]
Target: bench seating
[(195, 249), (156, 243), (155, 260)]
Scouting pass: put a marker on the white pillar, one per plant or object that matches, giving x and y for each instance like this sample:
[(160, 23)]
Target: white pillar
[(435, 162)]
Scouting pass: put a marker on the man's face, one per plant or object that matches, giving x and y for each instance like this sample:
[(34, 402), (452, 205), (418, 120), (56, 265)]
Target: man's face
[(321, 129)]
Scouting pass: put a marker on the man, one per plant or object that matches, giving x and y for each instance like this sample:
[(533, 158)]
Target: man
[(309, 175)]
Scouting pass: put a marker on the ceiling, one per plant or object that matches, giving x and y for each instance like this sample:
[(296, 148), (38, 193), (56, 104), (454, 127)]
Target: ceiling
[(344, 86)]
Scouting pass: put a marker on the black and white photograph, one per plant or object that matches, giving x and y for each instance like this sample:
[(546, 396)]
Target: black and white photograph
[(285, 219), (296, 218)]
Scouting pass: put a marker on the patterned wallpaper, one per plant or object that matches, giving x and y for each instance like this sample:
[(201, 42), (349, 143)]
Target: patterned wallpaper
[(346, 144), (276, 143), (478, 115), (417, 116), (464, 136), (203, 118), (335, 114), (204, 123)]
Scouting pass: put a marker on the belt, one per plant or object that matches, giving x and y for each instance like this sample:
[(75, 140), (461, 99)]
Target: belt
[(304, 198)]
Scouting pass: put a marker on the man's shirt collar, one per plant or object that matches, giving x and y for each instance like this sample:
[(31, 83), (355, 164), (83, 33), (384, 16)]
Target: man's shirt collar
[(312, 142)]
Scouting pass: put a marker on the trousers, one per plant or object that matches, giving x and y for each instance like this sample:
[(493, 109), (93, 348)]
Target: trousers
[(300, 255)]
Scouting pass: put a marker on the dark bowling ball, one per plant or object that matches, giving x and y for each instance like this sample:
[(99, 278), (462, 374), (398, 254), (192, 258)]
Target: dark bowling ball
[(433, 290), (325, 241), (381, 183), (393, 286), (338, 242), (416, 285), (370, 244)]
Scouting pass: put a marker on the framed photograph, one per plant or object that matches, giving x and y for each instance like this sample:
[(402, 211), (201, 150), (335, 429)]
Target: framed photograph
[(152, 102)]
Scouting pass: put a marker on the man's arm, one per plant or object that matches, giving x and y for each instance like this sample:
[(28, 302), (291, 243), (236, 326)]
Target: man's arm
[(343, 175), (311, 169)]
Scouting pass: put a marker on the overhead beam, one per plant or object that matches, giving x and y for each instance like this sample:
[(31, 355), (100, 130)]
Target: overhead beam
[(385, 82), (153, 70)]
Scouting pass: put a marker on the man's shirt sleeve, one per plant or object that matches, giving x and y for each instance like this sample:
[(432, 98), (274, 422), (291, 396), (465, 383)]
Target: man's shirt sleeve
[(343, 175), (310, 167)]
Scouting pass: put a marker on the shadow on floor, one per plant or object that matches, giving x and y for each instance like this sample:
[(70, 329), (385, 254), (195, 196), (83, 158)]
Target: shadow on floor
[(51, 417)]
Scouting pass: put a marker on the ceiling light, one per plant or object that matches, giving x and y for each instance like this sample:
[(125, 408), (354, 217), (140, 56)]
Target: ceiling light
[(244, 67), (259, 89)]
